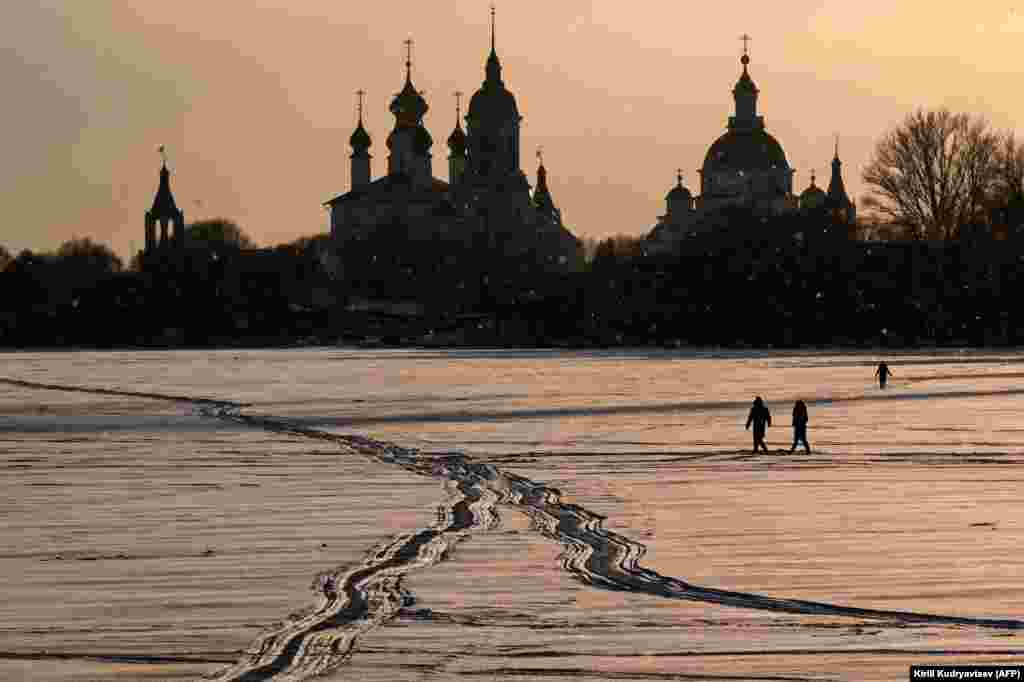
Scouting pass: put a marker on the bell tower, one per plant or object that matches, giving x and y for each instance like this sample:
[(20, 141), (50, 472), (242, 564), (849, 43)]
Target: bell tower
[(164, 213)]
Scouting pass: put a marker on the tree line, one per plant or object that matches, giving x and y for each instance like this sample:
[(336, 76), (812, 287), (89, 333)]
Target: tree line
[(945, 185)]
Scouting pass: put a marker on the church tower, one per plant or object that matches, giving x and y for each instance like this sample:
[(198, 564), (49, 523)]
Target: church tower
[(164, 213), (492, 128), (360, 142), (410, 142), (457, 147), (836, 199)]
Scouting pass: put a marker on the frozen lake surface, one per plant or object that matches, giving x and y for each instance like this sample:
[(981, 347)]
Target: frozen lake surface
[(512, 515)]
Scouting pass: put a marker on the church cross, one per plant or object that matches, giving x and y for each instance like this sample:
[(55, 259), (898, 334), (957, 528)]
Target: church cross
[(163, 154), (679, 175), (360, 93), (746, 40), (540, 155), (408, 57), (458, 105), (492, 27)]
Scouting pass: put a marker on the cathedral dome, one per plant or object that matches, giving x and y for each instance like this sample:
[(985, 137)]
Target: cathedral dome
[(751, 149)]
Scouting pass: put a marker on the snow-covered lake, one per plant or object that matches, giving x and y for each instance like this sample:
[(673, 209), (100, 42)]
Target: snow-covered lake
[(513, 515)]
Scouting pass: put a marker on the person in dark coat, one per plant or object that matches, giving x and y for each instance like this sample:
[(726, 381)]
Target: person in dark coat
[(883, 373), (800, 426), (761, 418)]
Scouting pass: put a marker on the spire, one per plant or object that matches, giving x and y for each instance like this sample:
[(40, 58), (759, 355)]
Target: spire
[(360, 140), (542, 195), (163, 202), (408, 60), (836, 189), (493, 63)]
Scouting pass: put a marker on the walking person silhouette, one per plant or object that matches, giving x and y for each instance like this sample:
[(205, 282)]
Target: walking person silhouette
[(761, 418), (800, 426), (883, 373)]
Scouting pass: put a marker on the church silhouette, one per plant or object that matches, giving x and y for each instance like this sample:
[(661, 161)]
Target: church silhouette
[(487, 191)]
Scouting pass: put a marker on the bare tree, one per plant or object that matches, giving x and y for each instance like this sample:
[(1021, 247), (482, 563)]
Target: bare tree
[(1010, 169), (935, 173)]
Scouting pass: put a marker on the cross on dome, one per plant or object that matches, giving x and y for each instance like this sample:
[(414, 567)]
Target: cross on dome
[(408, 58)]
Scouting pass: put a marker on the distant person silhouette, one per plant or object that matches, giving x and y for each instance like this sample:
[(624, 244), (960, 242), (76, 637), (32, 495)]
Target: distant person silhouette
[(761, 418), (800, 426), (883, 373)]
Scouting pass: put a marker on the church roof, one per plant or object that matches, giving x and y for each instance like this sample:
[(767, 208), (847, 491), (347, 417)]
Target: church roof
[(742, 149), (395, 187)]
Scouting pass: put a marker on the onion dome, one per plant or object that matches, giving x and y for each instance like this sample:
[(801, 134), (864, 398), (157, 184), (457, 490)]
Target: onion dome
[(408, 106), (679, 192), (813, 196), (457, 141), (360, 139), (422, 141)]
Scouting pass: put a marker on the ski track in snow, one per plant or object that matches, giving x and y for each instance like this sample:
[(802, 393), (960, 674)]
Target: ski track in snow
[(354, 601)]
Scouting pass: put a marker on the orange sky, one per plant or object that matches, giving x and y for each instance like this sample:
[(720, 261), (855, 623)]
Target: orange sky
[(255, 103)]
